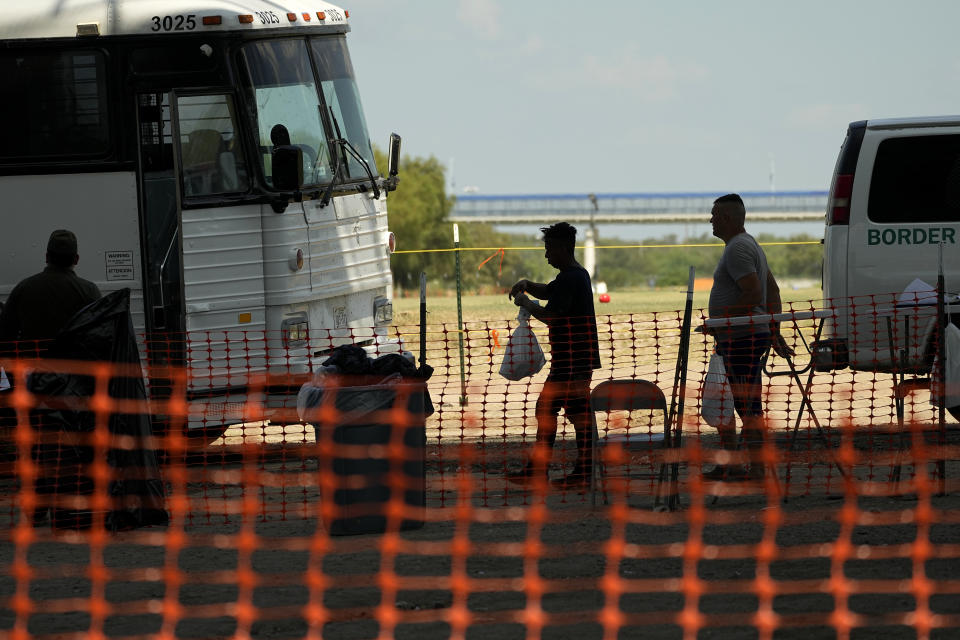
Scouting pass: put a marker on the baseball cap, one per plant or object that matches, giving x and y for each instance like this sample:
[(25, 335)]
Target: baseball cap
[(62, 243)]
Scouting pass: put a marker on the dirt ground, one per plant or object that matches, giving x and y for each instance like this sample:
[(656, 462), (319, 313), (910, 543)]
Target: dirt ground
[(806, 559), (488, 547)]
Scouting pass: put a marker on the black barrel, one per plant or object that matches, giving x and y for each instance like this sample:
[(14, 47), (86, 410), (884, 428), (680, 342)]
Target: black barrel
[(369, 451)]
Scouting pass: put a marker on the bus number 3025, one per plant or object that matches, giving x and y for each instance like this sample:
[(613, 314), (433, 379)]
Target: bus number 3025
[(174, 23)]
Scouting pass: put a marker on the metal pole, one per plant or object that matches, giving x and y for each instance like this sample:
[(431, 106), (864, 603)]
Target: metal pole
[(463, 374), (680, 377), (679, 395), (941, 464), (423, 318), (590, 243)]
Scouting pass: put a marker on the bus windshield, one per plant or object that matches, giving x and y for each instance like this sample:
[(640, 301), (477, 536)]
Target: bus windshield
[(343, 100), (286, 106)]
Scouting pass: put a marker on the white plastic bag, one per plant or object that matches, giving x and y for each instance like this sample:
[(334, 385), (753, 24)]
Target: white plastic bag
[(716, 400), (311, 393), (523, 356), (951, 370)]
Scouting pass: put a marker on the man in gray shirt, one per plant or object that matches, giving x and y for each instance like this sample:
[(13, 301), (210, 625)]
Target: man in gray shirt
[(743, 285)]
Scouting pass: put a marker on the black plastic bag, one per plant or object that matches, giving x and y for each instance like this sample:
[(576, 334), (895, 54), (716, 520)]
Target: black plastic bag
[(349, 359), (102, 332)]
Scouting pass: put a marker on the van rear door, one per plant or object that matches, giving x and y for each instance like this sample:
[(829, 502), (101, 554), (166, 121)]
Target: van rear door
[(836, 235), (908, 178)]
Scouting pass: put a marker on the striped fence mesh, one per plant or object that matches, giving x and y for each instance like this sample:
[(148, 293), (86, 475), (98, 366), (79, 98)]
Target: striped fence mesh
[(384, 507)]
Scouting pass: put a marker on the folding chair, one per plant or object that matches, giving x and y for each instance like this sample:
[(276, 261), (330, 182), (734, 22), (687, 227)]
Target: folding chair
[(626, 395)]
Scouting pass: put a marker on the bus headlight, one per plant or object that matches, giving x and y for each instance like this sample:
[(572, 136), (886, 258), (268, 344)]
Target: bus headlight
[(295, 331), (382, 311)]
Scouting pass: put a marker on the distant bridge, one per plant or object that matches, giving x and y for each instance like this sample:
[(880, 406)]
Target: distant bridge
[(773, 206), (768, 206)]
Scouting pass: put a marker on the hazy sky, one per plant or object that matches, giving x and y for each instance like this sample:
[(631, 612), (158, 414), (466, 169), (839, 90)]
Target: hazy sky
[(536, 96)]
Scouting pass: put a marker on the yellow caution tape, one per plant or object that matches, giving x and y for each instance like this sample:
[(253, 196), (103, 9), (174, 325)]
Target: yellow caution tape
[(612, 246)]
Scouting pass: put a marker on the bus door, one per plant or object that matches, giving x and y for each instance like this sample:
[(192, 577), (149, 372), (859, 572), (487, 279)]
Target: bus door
[(160, 229), (221, 236)]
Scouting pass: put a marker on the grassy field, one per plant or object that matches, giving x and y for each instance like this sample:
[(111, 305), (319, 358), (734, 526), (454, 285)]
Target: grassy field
[(442, 308)]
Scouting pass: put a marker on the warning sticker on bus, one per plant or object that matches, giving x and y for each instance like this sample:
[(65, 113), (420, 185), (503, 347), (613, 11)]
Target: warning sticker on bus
[(119, 265)]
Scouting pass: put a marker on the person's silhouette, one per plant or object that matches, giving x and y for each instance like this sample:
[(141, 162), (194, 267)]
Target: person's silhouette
[(279, 136), (287, 160)]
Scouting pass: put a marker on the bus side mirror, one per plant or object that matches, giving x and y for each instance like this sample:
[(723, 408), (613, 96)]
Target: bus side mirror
[(287, 168), (393, 167), (393, 163)]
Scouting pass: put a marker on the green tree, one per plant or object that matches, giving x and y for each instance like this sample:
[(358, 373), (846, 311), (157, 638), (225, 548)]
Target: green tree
[(668, 266), (794, 260), (517, 261), (419, 213), (419, 210)]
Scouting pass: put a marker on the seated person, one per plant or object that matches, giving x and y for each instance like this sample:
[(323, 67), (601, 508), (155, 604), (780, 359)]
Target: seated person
[(287, 160)]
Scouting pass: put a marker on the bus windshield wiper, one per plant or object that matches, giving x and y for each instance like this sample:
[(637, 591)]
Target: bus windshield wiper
[(342, 148)]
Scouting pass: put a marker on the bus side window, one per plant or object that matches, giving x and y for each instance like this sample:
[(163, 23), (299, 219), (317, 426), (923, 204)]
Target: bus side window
[(212, 162), (55, 105)]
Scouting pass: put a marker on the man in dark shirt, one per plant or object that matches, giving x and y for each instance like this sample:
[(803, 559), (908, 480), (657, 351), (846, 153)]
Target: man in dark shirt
[(35, 311), (40, 305), (574, 354)]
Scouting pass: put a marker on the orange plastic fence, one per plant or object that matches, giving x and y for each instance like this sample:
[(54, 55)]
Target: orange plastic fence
[(369, 518)]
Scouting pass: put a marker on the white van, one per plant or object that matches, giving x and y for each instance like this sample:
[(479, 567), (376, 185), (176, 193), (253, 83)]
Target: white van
[(894, 201)]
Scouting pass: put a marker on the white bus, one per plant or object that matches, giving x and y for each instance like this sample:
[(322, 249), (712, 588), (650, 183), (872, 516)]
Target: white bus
[(212, 156)]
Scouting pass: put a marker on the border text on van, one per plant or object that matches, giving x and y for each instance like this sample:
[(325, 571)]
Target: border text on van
[(917, 235)]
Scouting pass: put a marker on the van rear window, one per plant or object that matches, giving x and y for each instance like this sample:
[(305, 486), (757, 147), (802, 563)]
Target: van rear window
[(916, 179)]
